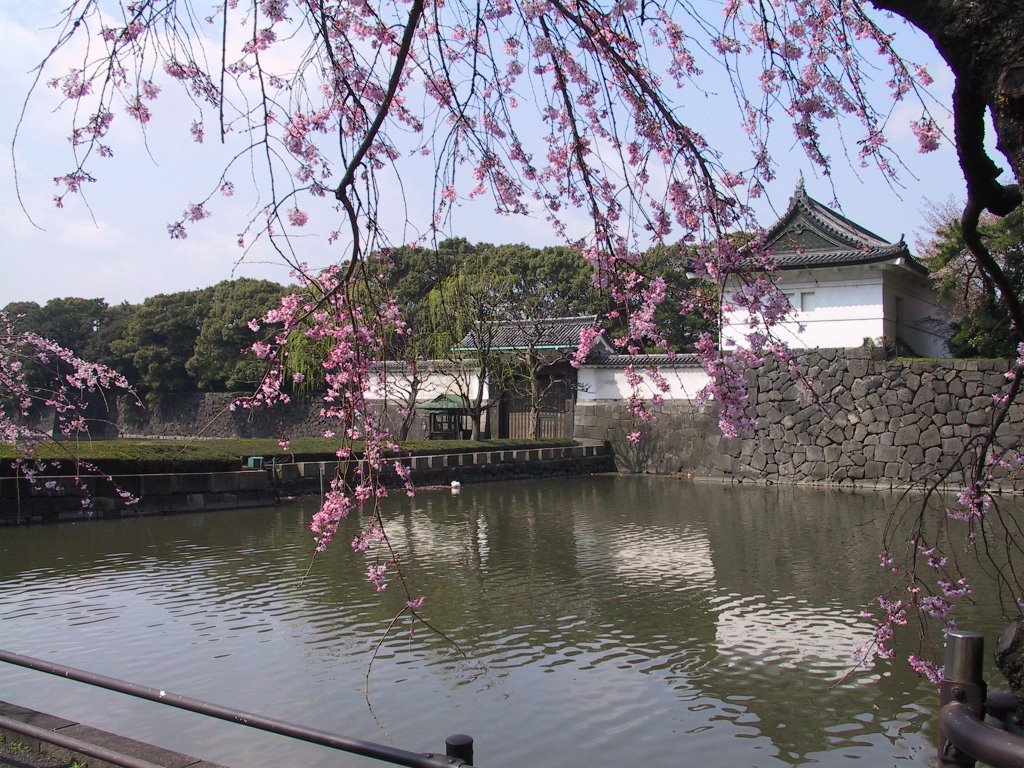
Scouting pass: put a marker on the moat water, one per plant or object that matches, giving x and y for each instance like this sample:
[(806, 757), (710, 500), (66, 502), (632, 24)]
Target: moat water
[(598, 622)]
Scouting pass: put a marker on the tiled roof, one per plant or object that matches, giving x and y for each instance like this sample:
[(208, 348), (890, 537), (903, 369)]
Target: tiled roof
[(645, 361), (425, 366), (445, 403), (549, 333), (810, 234), (803, 259)]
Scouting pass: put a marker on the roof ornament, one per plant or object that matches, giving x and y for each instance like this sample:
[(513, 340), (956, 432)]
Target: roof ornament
[(811, 234), (798, 193)]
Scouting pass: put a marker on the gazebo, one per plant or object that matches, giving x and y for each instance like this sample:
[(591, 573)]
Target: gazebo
[(448, 418)]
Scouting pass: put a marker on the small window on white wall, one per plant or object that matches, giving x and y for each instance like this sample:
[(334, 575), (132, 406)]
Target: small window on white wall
[(807, 301)]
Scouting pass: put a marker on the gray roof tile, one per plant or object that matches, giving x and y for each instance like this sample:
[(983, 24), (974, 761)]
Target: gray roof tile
[(551, 333), (810, 234)]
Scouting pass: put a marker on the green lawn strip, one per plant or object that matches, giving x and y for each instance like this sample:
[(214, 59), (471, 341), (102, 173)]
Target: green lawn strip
[(142, 456)]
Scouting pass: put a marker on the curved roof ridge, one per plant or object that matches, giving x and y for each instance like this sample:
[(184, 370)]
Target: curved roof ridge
[(838, 224), (811, 234), (831, 221)]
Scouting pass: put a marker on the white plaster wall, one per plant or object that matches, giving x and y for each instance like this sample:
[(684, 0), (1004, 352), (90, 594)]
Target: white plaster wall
[(596, 383), (925, 322), (395, 384), (848, 308)]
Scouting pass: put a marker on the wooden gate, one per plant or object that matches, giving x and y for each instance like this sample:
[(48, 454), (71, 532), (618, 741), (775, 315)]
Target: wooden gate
[(556, 412)]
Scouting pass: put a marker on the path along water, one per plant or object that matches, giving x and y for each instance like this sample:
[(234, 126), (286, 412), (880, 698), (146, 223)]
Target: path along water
[(599, 621)]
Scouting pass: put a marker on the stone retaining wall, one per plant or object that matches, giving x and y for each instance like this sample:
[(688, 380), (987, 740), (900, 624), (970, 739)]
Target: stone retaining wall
[(873, 421), (209, 414), (674, 441), (848, 417), (442, 469), (20, 502)]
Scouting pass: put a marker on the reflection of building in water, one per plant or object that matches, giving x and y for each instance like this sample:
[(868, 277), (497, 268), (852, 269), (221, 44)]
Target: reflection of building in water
[(793, 573), (754, 596), (742, 602), (797, 587), (672, 559), (790, 538), (789, 634), (785, 630)]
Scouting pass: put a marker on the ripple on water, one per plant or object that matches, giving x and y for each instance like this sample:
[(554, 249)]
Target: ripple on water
[(609, 620)]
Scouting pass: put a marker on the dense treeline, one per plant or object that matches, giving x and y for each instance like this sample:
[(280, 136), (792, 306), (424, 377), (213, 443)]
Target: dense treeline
[(174, 342), (196, 340)]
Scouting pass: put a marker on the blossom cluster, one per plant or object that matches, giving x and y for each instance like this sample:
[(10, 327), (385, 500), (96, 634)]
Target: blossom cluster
[(387, 80), (602, 138), (350, 336), (45, 392)]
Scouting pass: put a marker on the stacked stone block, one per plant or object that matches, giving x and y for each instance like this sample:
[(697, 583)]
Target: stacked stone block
[(845, 416), (671, 442), (853, 417)]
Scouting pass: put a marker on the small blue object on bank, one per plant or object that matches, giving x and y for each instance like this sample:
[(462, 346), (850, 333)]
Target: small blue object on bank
[(255, 462)]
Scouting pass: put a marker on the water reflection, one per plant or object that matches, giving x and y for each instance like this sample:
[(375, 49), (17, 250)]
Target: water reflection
[(600, 621)]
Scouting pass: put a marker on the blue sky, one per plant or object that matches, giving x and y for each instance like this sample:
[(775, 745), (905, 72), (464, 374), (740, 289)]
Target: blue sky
[(118, 248)]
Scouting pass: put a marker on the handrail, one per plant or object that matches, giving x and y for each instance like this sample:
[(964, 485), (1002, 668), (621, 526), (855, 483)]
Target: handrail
[(964, 736), (979, 741), (75, 745), (462, 751)]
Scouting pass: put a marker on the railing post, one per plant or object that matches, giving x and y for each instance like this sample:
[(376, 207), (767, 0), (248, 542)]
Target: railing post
[(459, 746), (962, 682)]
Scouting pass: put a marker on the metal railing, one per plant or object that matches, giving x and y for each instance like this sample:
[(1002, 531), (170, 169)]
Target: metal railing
[(964, 736), (458, 748)]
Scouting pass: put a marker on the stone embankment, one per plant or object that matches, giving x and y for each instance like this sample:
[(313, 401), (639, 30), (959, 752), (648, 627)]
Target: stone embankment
[(442, 469), (81, 743), (21, 502), (846, 417), (864, 420)]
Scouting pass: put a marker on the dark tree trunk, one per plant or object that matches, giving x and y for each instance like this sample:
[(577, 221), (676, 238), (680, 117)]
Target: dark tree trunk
[(982, 41), (1010, 658), (983, 44)]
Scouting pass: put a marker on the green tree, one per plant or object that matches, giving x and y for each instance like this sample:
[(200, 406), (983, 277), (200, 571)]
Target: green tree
[(72, 322), (465, 310), (679, 321), (108, 337), (27, 310), (544, 282), (411, 273), (983, 326), (161, 337), (220, 361)]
